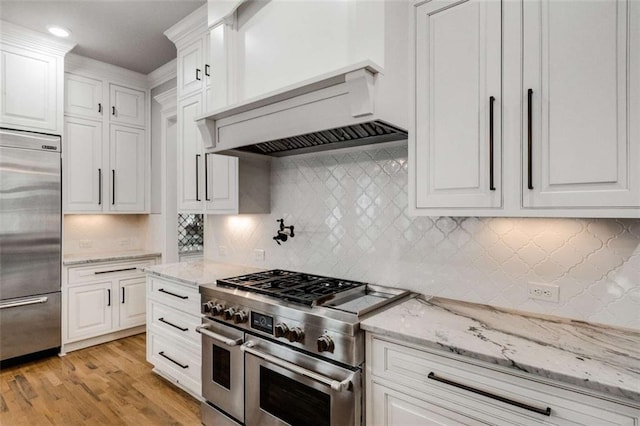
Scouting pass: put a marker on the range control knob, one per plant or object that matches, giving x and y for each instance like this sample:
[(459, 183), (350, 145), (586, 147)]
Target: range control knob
[(216, 309), (207, 307), (239, 317), (325, 344), (228, 313), (295, 334), (280, 330)]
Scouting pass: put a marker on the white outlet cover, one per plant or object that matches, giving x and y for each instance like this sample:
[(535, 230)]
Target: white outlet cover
[(543, 291), (85, 243), (222, 250), (258, 255)]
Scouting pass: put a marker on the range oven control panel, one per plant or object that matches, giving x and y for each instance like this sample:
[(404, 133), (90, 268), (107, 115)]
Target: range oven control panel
[(262, 322)]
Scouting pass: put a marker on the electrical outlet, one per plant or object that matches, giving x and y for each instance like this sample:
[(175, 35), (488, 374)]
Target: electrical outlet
[(124, 242), (258, 255), (85, 244), (548, 292), (222, 251)]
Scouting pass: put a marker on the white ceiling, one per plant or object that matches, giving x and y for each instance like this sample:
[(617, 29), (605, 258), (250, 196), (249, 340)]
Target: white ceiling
[(120, 32)]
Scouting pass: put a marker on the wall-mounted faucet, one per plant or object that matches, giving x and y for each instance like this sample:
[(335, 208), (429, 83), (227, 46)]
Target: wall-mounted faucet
[(284, 232)]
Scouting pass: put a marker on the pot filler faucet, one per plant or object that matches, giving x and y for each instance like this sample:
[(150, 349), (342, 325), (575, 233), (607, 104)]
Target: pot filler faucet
[(284, 232)]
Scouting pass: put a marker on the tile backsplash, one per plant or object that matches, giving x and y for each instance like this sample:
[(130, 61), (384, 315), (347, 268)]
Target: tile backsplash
[(88, 233), (350, 215)]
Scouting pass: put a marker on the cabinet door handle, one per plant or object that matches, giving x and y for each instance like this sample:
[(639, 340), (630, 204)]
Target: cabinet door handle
[(108, 297), (113, 110), (198, 74), (206, 70), (544, 411), (161, 353), (99, 108), (113, 187), (114, 270), (529, 138), (172, 324), (197, 175), (99, 187), (162, 290), (206, 178), (491, 183), (123, 294)]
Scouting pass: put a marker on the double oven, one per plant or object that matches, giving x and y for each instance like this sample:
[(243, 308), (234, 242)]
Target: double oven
[(282, 347)]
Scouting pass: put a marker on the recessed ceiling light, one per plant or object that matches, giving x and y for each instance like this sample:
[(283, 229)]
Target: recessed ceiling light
[(58, 31)]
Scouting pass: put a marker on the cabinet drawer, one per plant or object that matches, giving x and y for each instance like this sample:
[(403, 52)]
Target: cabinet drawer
[(174, 322), (168, 357), (102, 271), (437, 376), (179, 296)]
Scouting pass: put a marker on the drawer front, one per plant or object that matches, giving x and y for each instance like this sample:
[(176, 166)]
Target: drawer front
[(167, 356), (174, 322), (106, 271), (179, 296), (421, 371)]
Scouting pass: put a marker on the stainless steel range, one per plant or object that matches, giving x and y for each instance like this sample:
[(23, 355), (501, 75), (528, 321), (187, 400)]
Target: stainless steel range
[(282, 347)]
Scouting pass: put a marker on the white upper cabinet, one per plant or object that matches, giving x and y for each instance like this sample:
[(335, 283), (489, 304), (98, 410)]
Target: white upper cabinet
[(580, 63), (190, 156), (216, 70), (83, 96), (458, 87), (221, 184), (191, 67), (127, 159), (84, 172), (127, 105)]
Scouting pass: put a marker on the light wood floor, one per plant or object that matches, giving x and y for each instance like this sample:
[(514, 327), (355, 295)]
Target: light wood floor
[(109, 384)]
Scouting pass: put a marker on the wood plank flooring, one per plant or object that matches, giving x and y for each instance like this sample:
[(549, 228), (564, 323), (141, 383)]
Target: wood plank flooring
[(109, 384)]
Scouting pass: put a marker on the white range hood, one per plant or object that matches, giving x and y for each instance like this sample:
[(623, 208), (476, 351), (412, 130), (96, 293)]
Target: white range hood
[(351, 106)]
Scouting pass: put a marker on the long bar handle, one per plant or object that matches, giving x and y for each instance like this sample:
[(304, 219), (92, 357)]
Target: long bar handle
[(123, 291), (202, 329), (197, 176), (24, 303), (113, 187), (491, 182), (99, 187), (114, 270), (334, 384), (544, 411), (161, 353), (162, 290), (530, 138), (108, 297), (172, 324), (206, 178)]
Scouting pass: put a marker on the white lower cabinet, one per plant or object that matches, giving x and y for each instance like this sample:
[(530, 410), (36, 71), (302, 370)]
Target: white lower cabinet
[(103, 301), (173, 345), (410, 385)]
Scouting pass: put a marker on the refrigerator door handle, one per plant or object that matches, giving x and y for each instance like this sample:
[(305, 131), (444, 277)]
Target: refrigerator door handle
[(24, 302)]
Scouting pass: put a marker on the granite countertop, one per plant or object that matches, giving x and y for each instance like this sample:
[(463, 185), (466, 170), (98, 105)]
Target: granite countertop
[(198, 272), (80, 258), (597, 357)]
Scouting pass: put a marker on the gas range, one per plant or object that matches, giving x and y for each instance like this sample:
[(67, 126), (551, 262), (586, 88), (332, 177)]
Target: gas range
[(311, 313)]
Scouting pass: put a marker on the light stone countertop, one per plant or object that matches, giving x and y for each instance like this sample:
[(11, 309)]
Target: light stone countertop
[(198, 272), (81, 258), (597, 357)]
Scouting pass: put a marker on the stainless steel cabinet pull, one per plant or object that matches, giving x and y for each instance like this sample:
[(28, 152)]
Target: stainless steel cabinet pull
[(206, 70), (123, 294), (161, 353), (172, 325), (114, 270), (108, 297), (545, 411), (198, 74), (206, 178), (113, 110), (197, 175), (334, 384), (100, 108), (99, 187), (202, 329), (113, 187), (529, 138), (162, 290), (491, 183), (24, 303)]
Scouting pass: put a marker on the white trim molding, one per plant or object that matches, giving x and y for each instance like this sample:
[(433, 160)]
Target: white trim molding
[(82, 65), (163, 74), (20, 36)]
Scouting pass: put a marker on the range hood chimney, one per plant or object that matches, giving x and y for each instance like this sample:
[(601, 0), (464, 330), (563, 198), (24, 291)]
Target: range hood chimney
[(348, 107)]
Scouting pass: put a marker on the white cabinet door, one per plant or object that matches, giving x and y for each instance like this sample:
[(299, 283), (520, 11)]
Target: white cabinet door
[(127, 169), (458, 98), (83, 96), (582, 65), (90, 310), (221, 184), (127, 105), (217, 95), (29, 90), (190, 157), (133, 302), (190, 67), (84, 174)]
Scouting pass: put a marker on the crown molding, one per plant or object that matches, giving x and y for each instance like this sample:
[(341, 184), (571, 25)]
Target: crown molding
[(82, 65), (194, 24), (23, 37), (167, 99), (163, 73)]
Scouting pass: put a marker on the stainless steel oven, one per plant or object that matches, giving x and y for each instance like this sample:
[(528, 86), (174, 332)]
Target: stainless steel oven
[(223, 368), (284, 386)]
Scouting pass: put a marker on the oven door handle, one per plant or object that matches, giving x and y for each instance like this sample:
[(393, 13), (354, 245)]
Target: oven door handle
[(202, 329), (248, 347)]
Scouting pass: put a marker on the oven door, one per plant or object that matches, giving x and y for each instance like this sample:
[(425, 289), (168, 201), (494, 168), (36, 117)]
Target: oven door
[(284, 386), (223, 368)]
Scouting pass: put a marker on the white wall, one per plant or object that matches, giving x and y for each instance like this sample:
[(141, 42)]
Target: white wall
[(351, 221)]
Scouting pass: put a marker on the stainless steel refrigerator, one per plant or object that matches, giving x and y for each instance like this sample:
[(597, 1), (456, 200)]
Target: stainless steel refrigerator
[(30, 242)]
